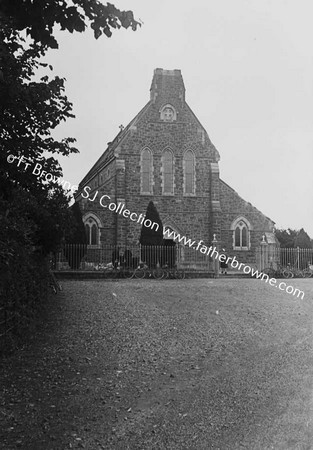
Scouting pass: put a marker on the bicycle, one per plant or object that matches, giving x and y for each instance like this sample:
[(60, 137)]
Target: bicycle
[(173, 272), (308, 271), (286, 272), (279, 272), (111, 270), (143, 271), (125, 271), (297, 273)]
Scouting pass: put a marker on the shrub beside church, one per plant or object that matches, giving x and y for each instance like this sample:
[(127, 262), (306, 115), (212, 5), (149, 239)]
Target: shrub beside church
[(165, 156)]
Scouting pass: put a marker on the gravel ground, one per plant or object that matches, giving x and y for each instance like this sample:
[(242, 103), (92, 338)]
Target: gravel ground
[(143, 364)]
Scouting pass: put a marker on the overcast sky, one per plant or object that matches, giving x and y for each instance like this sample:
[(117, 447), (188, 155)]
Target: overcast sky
[(248, 72)]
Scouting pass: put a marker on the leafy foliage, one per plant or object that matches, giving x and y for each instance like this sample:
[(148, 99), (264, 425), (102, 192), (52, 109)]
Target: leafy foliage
[(38, 18), (286, 238), (30, 110), (23, 280), (148, 235), (293, 238), (151, 239), (76, 235), (23, 288), (34, 211), (29, 221), (303, 240)]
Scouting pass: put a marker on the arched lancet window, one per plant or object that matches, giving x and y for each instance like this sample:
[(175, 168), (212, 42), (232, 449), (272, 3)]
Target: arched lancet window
[(168, 172), (241, 234), (94, 234), (92, 231), (189, 172), (87, 230), (146, 171)]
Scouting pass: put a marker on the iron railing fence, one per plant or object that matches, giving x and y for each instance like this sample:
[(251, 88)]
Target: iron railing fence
[(81, 257), (294, 258)]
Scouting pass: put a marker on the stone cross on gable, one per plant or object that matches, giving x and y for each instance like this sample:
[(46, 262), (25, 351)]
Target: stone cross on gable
[(121, 127)]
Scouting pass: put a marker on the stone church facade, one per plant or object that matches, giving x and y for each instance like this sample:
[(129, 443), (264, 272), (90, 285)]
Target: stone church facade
[(165, 155)]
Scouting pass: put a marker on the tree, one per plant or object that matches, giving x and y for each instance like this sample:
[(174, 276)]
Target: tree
[(286, 238), (148, 235), (33, 207), (151, 238), (38, 18), (30, 110), (75, 239), (293, 238), (76, 233), (303, 240)]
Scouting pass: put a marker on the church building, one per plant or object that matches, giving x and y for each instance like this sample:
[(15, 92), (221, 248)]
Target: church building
[(165, 155)]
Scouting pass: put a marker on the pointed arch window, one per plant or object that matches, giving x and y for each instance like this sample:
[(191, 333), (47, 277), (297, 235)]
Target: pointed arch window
[(241, 234), (146, 171), (92, 229), (189, 173), (168, 172), (92, 232)]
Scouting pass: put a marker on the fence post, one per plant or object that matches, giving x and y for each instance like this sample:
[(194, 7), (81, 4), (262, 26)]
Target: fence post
[(216, 263), (264, 252)]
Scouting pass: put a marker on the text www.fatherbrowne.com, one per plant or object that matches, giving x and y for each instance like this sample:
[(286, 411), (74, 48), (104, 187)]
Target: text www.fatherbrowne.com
[(235, 264)]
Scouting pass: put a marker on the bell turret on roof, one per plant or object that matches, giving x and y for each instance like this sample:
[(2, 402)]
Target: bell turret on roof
[(167, 85)]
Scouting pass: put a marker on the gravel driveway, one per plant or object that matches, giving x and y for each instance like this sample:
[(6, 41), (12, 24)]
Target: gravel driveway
[(144, 364)]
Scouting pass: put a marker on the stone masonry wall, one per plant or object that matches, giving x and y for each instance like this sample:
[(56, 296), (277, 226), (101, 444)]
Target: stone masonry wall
[(188, 214), (107, 218), (211, 209), (233, 206)]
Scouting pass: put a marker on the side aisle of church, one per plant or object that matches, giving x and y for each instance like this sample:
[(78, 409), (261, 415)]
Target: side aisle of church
[(165, 155)]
